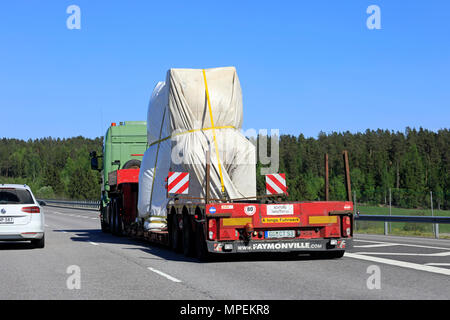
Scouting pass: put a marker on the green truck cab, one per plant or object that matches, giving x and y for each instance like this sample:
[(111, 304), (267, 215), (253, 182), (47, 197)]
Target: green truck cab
[(123, 148)]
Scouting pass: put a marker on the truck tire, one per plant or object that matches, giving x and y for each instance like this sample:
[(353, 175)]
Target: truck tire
[(113, 216), (104, 214), (188, 239), (103, 226), (132, 164), (201, 249), (175, 233), (118, 220), (110, 216)]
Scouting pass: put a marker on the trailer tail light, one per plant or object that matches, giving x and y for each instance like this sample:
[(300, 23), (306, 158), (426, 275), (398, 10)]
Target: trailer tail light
[(31, 209), (346, 226), (212, 229)]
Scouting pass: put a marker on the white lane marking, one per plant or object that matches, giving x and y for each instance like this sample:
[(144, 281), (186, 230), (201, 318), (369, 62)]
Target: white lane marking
[(74, 215), (165, 275), (376, 245), (437, 264), (404, 244), (439, 254), (402, 264), (93, 243)]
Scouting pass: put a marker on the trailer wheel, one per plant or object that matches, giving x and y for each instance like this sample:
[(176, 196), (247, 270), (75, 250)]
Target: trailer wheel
[(201, 248), (174, 233), (113, 216), (103, 226), (118, 220), (188, 241)]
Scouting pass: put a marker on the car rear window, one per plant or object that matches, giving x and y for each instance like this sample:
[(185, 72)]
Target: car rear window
[(15, 196)]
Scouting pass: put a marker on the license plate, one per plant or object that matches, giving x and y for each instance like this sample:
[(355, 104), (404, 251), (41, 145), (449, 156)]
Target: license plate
[(280, 234), (6, 220)]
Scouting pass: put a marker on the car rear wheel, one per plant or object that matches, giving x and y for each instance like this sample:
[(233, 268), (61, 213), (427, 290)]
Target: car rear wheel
[(38, 243)]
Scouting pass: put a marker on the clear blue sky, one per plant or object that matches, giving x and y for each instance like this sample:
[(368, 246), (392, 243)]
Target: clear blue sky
[(304, 66)]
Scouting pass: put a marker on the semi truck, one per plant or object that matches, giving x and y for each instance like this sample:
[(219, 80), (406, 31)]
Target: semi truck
[(123, 149), (207, 226)]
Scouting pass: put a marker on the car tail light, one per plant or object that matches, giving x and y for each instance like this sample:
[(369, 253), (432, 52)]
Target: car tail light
[(212, 229), (346, 226), (31, 209)]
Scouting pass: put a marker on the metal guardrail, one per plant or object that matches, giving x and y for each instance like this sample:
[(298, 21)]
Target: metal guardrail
[(73, 204), (421, 219), (436, 220)]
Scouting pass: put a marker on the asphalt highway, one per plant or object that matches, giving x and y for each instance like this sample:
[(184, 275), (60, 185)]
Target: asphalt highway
[(81, 262)]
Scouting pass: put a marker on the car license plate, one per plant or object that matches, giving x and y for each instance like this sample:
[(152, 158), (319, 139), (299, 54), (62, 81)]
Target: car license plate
[(275, 234), (6, 220)]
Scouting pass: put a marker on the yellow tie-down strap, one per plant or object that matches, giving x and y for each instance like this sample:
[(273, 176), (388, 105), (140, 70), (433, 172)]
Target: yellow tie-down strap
[(213, 128), (214, 131)]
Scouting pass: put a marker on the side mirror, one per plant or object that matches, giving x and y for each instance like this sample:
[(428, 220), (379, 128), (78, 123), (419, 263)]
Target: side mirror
[(94, 161), (42, 203)]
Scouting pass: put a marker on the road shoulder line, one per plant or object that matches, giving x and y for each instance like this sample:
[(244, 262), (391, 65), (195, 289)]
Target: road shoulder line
[(165, 275), (397, 263)]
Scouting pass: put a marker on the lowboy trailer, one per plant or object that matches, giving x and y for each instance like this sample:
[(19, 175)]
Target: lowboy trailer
[(206, 226)]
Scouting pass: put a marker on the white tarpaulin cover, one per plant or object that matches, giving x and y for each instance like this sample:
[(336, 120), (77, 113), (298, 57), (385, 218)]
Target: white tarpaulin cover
[(192, 112)]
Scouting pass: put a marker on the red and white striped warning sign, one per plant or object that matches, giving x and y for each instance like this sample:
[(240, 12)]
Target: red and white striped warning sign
[(276, 183), (178, 182)]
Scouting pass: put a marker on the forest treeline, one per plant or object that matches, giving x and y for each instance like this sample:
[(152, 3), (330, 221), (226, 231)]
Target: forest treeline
[(410, 164), (53, 168)]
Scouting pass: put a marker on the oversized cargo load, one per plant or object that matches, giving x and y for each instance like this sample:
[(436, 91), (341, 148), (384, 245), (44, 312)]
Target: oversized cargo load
[(192, 112)]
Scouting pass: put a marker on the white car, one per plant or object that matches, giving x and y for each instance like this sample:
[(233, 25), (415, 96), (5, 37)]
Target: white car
[(21, 216)]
